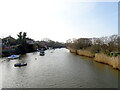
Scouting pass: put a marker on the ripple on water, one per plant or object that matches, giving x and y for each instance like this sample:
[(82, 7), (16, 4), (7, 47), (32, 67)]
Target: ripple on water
[(60, 69)]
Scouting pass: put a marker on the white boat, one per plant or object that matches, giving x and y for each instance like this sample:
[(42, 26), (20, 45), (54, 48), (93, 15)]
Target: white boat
[(13, 56)]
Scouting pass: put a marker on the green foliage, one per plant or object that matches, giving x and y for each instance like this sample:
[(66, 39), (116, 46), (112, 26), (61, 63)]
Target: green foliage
[(24, 35), (20, 35), (23, 44)]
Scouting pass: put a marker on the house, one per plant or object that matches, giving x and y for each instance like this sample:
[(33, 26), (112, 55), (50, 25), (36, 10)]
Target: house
[(30, 41)]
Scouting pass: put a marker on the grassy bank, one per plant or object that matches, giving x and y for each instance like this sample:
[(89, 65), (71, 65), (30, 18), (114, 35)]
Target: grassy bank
[(100, 57), (85, 53), (112, 61), (72, 50), (82, 52)]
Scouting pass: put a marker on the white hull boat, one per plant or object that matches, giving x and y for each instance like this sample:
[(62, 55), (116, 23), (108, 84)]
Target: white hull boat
[(13, 56)]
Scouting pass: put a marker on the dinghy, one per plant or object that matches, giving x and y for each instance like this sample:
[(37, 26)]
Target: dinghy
[(13, 56), (20, 64)]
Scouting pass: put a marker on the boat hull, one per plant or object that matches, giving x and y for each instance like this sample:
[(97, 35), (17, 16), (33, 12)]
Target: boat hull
[(20, 64), (14, 57)]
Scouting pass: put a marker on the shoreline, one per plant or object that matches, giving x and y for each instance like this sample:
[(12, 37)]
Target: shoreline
[(99, 57)]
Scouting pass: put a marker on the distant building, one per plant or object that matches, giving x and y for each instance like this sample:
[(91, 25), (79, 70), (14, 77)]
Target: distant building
[(8, 41), (8, 44), (94, 40), (30, 41)]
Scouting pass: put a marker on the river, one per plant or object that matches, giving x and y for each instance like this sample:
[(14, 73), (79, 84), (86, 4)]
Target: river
[(57, 69)]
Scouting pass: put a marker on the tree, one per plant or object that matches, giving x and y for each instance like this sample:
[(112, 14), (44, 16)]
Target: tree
[(83, 43), (24, 35), (113, 44), (22, 42), (20, 35)]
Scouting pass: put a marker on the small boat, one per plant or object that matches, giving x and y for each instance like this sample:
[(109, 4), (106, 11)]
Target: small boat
[(13, 57), (20, 64), (42, 53)]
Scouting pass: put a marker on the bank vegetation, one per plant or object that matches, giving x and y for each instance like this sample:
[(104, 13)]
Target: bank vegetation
[(103, 49), (24, 44)]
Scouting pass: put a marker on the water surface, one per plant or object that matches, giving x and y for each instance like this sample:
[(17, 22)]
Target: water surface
[(57, 69)]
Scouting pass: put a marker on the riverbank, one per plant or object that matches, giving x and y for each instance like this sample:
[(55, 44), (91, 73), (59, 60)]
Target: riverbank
[(100, 57), (112, 61)]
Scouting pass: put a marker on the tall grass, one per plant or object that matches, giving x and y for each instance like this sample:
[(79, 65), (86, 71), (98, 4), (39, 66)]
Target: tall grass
[(100, 57), (85, 53), (113, 61), (72, 50)]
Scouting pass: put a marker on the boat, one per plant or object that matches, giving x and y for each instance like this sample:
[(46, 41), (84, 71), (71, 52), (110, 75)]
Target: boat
[(20, 64), (13, 57), (42, 53)]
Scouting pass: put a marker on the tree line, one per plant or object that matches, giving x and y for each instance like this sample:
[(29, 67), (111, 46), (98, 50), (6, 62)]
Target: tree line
[(104, 45), (24, 44)]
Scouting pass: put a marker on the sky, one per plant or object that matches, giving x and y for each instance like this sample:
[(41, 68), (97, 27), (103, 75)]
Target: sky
[(58, 20)]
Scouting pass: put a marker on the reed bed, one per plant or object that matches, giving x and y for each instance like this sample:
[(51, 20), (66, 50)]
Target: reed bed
[(100, 57), (72, 50), (113, 61), (85, 53)]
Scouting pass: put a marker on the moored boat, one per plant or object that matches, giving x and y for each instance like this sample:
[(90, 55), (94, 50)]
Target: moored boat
[(42, 53), (13, 57), (20, 64)]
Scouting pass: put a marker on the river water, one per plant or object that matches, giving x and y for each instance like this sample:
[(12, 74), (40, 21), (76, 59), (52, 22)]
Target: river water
[(57, 69)]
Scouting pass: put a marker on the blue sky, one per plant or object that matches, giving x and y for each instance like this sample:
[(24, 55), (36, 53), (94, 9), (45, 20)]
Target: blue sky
[(100, 20), (108, 14), (58, 20)]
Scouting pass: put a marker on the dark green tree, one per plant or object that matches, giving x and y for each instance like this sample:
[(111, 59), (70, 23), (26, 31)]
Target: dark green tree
[(24, 35), (20, 35)]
